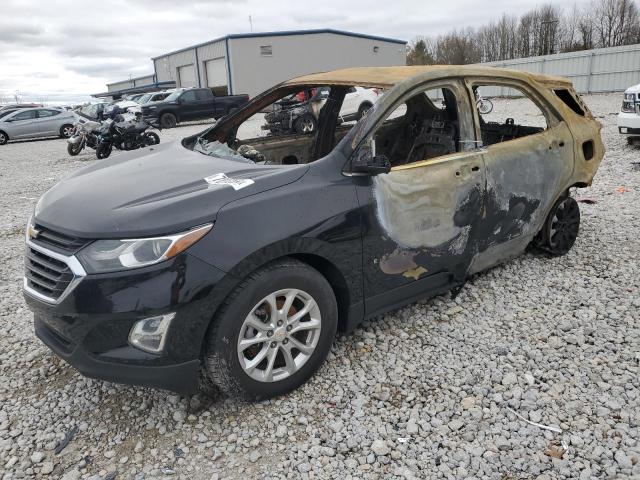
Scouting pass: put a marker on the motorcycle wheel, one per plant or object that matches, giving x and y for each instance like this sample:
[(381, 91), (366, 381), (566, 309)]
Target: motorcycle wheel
[(74, 149), (103, 151), (151, 138), (485, 106)]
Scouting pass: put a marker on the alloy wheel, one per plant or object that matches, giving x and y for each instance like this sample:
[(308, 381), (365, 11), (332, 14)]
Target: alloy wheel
[(279, 335), (307, 125), (67, 131), (564, 226)]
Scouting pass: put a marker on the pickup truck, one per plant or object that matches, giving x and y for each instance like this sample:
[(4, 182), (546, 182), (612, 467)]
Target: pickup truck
[(186, 104)]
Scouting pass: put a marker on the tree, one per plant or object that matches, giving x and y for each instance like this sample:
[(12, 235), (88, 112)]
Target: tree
[(419, 53)]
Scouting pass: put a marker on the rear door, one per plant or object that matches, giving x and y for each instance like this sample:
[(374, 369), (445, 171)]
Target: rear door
[(528, 153), (48, 121)]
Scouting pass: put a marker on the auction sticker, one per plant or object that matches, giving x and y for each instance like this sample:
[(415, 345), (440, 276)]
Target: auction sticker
[(221, 179)]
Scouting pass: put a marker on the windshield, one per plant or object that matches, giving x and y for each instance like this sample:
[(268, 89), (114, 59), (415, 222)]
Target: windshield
[(173, 96), (144, 98), (4, 113)]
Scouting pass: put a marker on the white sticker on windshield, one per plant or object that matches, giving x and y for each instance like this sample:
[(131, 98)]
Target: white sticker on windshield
[(221, 179)]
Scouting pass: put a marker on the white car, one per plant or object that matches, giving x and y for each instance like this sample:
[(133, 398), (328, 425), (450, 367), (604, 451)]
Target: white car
[(629, 116), (357, 102)]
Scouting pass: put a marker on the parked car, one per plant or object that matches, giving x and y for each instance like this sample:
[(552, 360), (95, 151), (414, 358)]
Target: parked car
[(188, 265), (186, 104), (629, 115), (36, 122), (298, 113), (153, 97)]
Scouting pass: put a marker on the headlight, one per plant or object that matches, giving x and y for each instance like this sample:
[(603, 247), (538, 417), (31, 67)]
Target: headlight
[(113, 255)]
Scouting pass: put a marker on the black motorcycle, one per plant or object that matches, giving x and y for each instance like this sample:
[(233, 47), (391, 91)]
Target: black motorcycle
[(125, 135)]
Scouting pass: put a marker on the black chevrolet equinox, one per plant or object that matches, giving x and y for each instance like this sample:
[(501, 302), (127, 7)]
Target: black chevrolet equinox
[(227, 261)]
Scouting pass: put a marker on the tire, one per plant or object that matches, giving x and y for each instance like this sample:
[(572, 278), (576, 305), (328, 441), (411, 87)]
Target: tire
[(103, 151), (4, 138), (151, 138), (306, 124), (66, 130), (485, 106), (74, 149), (226, 365), (561, 227), (168, 120), (363, 109)]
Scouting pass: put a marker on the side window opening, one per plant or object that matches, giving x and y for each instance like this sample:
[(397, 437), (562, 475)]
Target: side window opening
[(513, 114), (423, 127), (569, 100)]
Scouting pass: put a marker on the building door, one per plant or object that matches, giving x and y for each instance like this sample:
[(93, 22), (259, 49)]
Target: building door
[(187, 76), (216, 73)]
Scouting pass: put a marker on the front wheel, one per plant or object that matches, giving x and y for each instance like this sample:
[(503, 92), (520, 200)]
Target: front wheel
[(103, 151), (272, 333), (74, 149), (561, 227), (168, 120), (151, 138), (4, 138), (305, 124), (485, 106)]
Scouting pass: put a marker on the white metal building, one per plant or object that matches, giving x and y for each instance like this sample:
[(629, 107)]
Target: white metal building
[(252, 62)]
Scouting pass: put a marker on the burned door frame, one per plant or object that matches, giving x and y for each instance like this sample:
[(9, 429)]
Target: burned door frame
[(536, 168), (418, 236)]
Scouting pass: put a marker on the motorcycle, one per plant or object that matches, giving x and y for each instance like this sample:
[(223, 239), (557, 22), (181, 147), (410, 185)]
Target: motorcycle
[(85, 134), (124, 135)]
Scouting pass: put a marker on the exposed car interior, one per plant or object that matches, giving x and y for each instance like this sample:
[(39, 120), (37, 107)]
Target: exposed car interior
[(425, 131), (493, 131)]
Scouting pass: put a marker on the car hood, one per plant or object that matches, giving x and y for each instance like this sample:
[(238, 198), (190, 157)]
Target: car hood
[(154, 191)]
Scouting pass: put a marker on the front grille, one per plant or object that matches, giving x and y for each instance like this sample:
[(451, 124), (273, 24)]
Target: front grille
[(46, 275), (59, 241)]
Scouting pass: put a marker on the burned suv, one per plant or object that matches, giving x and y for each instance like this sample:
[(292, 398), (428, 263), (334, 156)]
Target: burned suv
[(228, 260)]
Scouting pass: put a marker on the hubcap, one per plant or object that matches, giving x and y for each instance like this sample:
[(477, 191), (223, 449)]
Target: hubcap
[(307, 126), (67, 131), (279, 335)]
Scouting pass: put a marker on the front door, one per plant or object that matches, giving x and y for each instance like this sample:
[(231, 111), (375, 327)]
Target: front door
[(528, 153), (421, 219)]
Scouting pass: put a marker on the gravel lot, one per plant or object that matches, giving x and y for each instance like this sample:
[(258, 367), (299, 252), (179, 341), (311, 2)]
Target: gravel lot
[(427, 391)]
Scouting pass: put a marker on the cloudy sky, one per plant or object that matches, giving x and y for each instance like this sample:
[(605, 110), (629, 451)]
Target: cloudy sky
[(58, 50)]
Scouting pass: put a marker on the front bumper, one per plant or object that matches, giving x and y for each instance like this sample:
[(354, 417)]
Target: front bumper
[(629, 123), (89, 327)]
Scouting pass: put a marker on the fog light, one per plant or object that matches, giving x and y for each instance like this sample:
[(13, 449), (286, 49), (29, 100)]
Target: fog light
[(150, 334)]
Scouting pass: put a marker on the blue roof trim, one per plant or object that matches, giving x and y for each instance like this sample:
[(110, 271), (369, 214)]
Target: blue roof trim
[(285, 33), (137, 88)]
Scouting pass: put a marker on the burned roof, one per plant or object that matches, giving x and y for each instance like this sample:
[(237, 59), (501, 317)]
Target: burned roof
[(387, 77)]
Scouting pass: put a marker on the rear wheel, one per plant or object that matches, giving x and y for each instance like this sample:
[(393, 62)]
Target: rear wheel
[(168, 120), (66, 131), (151, 138), (561, 228), (4, 138), (103, 151), (272, 333)]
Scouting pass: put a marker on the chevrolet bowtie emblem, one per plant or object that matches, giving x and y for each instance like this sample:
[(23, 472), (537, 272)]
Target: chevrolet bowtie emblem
[(33, 233)]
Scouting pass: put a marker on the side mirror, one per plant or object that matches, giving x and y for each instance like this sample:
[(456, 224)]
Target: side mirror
[(368, 165)]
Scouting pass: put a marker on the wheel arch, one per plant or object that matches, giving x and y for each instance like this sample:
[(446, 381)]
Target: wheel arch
[(326, 267)]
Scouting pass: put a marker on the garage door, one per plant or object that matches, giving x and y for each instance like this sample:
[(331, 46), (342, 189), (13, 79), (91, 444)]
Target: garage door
[(187, 76), (216, 72)]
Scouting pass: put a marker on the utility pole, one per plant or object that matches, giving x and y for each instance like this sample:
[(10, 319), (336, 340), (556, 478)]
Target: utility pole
[(250, 24)]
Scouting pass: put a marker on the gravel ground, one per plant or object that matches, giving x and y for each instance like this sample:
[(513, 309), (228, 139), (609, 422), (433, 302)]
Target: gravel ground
[(427, 391)]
